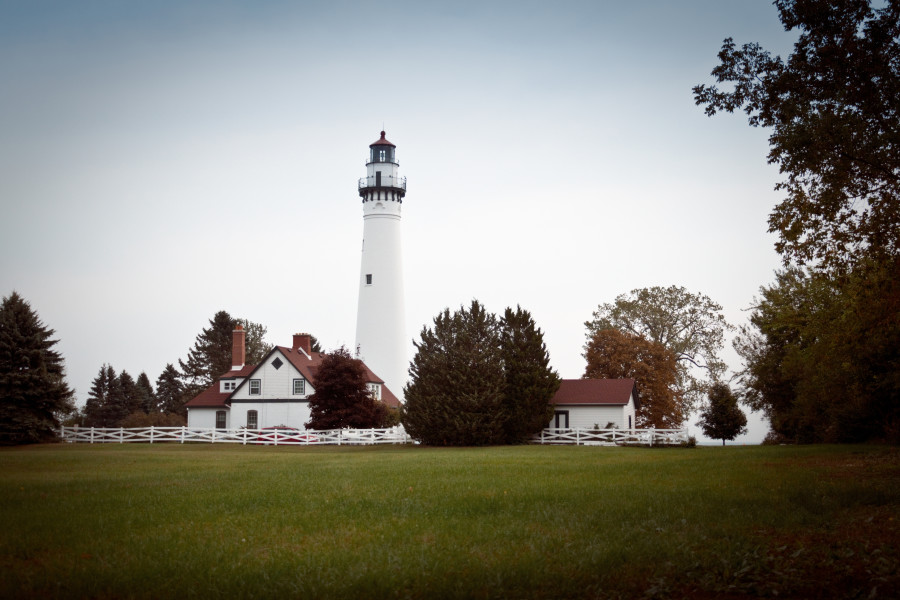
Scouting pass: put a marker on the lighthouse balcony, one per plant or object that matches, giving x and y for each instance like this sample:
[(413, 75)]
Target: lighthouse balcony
[(379, 182)]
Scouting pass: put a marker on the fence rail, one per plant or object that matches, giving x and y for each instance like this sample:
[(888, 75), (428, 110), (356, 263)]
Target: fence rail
[(343, 437), (611, 437), (276, 437)]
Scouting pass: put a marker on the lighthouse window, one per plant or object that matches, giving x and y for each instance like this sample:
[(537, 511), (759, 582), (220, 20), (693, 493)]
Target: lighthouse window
[(381, 155), (369, 279)]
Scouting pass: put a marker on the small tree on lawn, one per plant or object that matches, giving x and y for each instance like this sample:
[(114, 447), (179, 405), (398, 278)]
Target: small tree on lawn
[(342, 398), (722, 419), (33, 391)]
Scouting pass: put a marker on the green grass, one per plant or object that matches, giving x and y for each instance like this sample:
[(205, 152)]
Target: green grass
[(532, 522)]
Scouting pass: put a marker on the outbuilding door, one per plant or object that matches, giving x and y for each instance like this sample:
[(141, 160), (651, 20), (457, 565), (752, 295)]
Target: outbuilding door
[(561, 419)]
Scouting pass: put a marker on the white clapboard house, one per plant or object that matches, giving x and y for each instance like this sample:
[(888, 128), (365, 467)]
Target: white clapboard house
[(273, 393), (594, 403)]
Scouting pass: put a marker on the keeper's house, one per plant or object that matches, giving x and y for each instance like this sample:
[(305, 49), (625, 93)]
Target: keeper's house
[(594, 403), (273, 393)]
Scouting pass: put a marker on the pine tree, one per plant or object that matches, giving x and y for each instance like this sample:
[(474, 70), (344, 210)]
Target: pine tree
[(722, 419), (97, 398), (33, 391), (530, 382), (342, 398), (108, 400), (211, 355), (456, 388), (146, 399), (170, 392), (131, 401)]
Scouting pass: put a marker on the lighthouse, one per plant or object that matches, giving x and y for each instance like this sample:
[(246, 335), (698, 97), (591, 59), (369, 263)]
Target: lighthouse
[(380, 316)]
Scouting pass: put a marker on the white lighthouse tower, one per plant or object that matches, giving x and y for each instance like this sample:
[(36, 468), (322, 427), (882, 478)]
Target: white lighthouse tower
[(380, 317)]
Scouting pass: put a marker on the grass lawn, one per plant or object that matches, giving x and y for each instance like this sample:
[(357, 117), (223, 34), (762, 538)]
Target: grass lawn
[(110, 521)]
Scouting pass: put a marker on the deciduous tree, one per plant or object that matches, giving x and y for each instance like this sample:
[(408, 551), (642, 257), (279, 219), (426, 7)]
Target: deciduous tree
[(614, 354), (342, 398), (722, 418), (689, 325), (834, 110), (34, 395)]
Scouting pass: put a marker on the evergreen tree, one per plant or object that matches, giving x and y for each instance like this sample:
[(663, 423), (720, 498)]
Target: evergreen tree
[(98, 396), (722, 419), (170, 392), (530, 382), (456, 389), (342, 398), (131, 401), (33, 391), (211, 355), (145, 396)]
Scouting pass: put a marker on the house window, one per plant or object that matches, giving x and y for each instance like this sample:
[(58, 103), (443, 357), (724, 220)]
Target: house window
[(255, 387), (277, 363), (375, 390), (299, 387), (252, 419), (220, 419), (369, 279), (629, 422)]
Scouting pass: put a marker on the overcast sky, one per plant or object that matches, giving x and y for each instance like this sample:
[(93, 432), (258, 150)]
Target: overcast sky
[(161, 161)]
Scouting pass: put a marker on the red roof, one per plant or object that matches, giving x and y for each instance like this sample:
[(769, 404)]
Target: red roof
[(381, 142), (596, 391), (212, 397)]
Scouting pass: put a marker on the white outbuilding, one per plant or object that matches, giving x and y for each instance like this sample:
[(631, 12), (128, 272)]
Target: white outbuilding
[(595, 403)]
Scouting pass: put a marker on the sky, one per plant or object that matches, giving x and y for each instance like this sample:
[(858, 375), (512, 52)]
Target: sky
[(162, 161)]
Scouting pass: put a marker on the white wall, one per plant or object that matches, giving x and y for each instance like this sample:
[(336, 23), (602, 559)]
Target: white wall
[(270, 414), (276, 384), (205, 417), (586, 416)]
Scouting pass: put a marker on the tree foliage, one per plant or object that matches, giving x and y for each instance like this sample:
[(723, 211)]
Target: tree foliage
[(722, 418), (530, 381), (614, 354), (211, 355), (34, 395), (834, 110), (455, 392), (821, 357), (146, 398), (476, 380), (170, 394), (342, 398), (690, 326)]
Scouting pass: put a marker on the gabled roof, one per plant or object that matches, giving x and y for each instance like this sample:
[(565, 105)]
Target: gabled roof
[(307, 366), (603, 392)]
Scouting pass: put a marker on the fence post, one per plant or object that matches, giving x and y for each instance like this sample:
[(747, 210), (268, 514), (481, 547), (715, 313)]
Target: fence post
[(151, 434), (92, 435), (182, 433)]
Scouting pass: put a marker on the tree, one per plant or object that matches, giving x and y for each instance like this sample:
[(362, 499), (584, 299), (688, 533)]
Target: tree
[(314, 345), (108, 400), (530, 382), (146, 399), (722, 419), (820, 354), (342, 398), (613, 354), (211, 355), (34, 395), (690, 326), (834, 110), (456, 388), (169, 392), (130, 399)]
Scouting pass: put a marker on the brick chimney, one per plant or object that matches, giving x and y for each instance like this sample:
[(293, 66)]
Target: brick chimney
[(237, 348), (302, 342)]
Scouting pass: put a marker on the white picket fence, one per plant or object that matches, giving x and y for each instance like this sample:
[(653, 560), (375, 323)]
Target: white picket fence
[(611, 437), (276, 437), (343, 437)]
